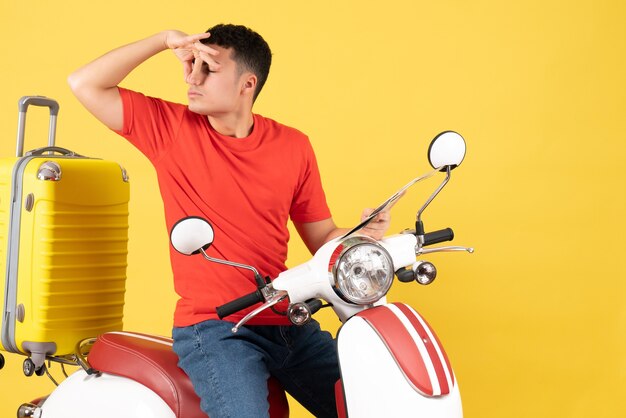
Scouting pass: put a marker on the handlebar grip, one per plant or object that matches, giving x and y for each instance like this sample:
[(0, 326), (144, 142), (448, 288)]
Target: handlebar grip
[(240, 303), (436, 237), (405, 275)]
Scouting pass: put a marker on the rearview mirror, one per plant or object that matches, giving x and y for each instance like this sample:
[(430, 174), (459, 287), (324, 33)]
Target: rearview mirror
[(446, 149), (191, 234)]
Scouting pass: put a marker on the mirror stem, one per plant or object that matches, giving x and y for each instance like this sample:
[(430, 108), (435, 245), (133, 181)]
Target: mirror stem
[(231, 263), (419, 225), (430, 199)]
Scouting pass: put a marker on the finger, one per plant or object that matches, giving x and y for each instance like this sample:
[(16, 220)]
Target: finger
[(184, 55), (187, 41), (366, 212), (209, 60), (197, 62), (196, 72), (205, 48), (377, 222), (380, 219), (198, 36), (187, 67)]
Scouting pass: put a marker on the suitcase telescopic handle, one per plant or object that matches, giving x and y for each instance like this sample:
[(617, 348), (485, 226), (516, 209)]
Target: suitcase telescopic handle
[(42, 101)]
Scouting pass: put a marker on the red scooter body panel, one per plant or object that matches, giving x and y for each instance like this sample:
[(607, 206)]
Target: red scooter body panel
[(414, 346)]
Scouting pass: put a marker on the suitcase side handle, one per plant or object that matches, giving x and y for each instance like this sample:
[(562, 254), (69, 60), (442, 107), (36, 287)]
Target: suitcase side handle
[(42, 101)]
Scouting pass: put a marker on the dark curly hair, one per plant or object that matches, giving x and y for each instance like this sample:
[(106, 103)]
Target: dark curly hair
[(249, 50)]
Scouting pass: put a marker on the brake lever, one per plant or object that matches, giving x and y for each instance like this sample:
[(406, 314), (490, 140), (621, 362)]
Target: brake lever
[(421, 251), (273, 300)]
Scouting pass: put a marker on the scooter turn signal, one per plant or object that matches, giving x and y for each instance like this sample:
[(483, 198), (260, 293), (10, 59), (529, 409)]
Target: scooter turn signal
[(425, 272)]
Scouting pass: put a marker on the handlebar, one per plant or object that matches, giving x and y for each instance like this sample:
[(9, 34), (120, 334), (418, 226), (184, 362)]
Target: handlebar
[(239, 304), (257, 296), (436, 237)]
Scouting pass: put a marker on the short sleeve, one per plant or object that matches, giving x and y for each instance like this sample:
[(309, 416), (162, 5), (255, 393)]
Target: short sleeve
[(150, 124), (309, 202)]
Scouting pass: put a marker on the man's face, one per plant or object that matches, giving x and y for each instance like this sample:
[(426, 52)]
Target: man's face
[(217, 87)]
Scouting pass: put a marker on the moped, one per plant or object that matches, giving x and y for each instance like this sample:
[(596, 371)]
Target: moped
[(391, 362)]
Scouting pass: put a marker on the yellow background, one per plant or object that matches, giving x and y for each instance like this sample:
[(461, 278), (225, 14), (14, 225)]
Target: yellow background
[(535, 320)]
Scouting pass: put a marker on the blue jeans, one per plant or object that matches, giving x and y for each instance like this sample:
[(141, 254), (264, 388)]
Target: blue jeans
[(229, 371)]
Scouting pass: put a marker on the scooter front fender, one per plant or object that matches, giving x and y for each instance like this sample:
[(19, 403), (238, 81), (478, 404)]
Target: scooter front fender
[(393, 365), (103, 396)]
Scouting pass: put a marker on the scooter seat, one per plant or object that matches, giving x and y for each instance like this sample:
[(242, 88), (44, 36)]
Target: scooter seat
[(150, 360)]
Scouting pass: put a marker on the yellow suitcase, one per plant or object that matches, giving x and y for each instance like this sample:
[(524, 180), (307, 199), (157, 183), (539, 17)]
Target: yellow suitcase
[(63, 246)]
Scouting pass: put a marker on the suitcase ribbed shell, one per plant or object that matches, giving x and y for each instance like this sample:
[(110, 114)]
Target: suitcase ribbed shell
[(68, 281)]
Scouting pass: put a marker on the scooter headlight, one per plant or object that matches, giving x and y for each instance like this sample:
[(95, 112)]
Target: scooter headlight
[(362, 271)]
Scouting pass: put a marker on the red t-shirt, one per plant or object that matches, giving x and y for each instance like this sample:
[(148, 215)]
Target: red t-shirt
[(247, 188)]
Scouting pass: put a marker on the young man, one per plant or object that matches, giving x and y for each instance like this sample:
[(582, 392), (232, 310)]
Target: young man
[(247, 175)]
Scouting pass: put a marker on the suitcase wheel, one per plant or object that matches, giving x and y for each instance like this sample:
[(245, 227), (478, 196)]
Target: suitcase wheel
[(41, 371), (28, 367), (1, 361)]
